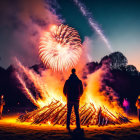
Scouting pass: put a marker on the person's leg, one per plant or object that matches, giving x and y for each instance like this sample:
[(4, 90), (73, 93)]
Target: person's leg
[(69, 109), (0, 112), (76, 109), (139, 114), (127, 110)]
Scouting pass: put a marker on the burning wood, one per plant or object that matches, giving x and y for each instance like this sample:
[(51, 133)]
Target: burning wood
[(56, 113)]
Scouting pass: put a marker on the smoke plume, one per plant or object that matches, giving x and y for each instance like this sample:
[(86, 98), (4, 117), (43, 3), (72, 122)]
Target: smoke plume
[(22, 23)]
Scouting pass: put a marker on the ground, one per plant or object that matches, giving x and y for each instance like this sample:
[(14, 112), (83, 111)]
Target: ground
[(12, 130)]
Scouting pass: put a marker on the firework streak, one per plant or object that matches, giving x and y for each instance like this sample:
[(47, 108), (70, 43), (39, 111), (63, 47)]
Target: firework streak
[(92, 23)]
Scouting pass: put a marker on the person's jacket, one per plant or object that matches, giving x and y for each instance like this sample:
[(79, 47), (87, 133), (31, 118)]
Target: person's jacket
[(138, 103), (73, 88), (2, 102)]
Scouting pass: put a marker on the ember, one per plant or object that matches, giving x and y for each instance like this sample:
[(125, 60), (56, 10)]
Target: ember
[(56, 113)]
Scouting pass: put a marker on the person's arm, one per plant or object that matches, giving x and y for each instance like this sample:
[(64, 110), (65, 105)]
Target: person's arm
[(3, 102), (81, 88), (137, 103), (65, 88)]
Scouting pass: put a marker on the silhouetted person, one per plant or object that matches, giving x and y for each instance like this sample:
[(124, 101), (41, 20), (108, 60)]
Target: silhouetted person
[(2, 103), (73, 90), (138, 107), (126, 105)]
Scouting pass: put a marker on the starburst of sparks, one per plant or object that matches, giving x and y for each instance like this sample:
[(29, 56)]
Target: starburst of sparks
[(60, 47)]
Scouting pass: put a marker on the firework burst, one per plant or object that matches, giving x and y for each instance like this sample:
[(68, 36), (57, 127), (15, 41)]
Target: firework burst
[(60, 47)]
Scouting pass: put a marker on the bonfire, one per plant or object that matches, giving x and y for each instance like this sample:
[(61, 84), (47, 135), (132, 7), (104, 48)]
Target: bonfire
[(56, 113), (61, 49)]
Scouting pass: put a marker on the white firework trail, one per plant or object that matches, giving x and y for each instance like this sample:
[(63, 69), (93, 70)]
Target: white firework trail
[(92, 23), (27, 92), (35, 78)]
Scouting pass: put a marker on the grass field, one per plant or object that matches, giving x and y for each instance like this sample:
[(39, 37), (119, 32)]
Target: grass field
[(12, 130)]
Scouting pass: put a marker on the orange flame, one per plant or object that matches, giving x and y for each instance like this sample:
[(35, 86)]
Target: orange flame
[(50, 87)]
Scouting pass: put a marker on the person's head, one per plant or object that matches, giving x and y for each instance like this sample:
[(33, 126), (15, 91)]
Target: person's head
[(73, 71), (2, 96)]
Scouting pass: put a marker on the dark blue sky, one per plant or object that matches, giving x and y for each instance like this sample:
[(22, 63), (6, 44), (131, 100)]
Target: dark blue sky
[(119, 20)]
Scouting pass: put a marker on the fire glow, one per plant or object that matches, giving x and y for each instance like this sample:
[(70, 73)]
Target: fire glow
[(95, 107)]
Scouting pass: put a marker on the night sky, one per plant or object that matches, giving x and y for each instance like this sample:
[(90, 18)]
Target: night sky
[(22, 23)]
